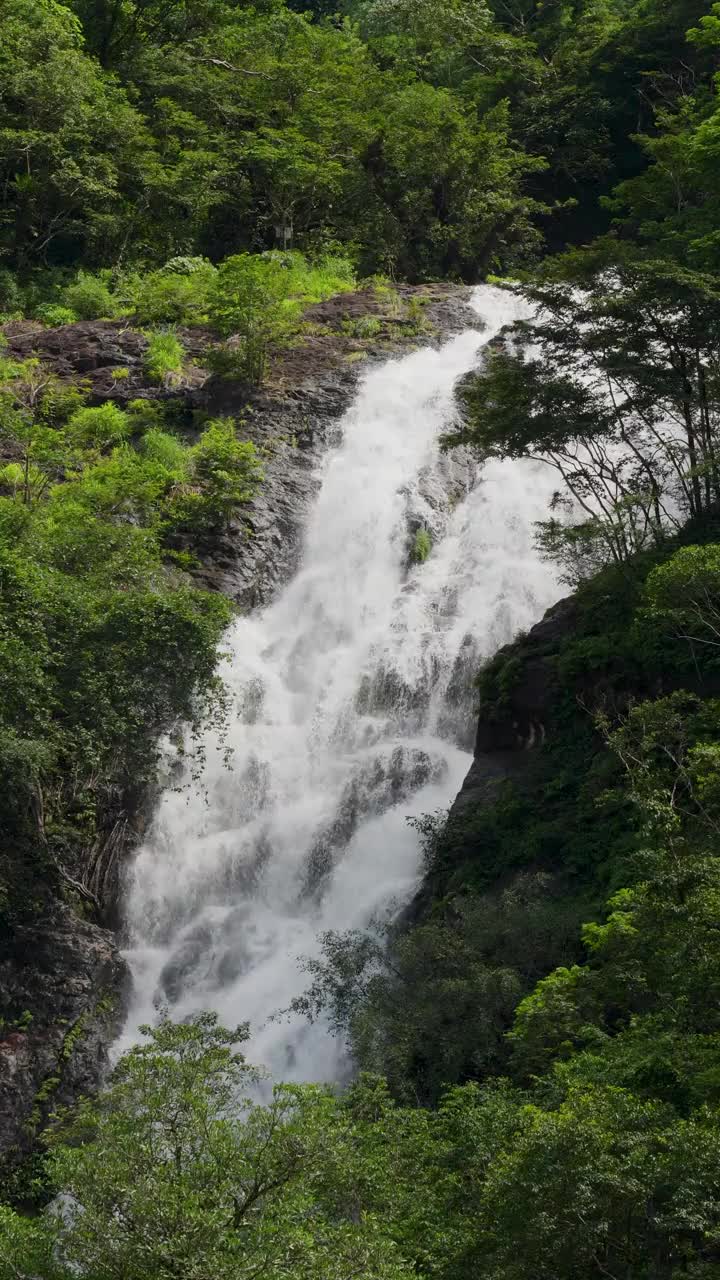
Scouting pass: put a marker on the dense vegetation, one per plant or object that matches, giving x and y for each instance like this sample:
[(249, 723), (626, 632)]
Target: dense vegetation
[(96, 610), (540, 1045)]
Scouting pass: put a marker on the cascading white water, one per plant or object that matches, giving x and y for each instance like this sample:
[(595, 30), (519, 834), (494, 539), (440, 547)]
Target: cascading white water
[(353, 708)]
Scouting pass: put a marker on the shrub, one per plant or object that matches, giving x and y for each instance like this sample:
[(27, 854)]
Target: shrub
[(249, 301), (362, 327), (54, 315), (224, 473), (256, 299), (161, 446), (145, 415), (313, 281), (241, 359), (90, 298), (164, 356), (415, 318), (422, 546), (101, 648), (177, 294), (11, 294), (97, 428)]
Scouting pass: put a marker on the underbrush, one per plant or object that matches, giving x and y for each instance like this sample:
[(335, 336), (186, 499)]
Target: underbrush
[(104, 642)]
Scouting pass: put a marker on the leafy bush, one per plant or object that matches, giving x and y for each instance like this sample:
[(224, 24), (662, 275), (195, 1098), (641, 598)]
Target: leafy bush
[(101, 648), (89, 298), (362, 327), (231, 1187), (415, 320), (248, 297), (55, 315), (682, 596), (164, 356), (223, 473), (440, 1009), (178, 293), (11, 293), (422, 546), (164, 448), (232, 361), (314, 280), (97, 427)]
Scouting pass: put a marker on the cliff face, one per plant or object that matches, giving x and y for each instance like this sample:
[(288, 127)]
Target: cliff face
[(543, 793), (61, 990), (508, 730), (508, 817), (62, 978)]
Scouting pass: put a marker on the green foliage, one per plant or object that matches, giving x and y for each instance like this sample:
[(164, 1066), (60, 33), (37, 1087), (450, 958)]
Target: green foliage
[(618, 391), (249, 298), (89, 298), (363, 327), (249, 301), (179, 293), (71, 140), (179, 1168), (54, 315), (97, 428), (93, 622), (683, 597), (27, 1248), (164, 357), (161, 447), (314, 280), (440, 1011), (408, 136), (422, 546), (223, 471)]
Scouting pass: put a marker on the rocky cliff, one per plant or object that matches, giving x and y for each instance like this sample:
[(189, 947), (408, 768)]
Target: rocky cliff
[(62, 976)]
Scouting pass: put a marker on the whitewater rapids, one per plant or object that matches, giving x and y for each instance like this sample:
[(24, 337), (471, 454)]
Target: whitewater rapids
[(352, 708)]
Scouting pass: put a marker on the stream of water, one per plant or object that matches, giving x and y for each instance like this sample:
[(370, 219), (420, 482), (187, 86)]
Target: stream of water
[(353, 707)]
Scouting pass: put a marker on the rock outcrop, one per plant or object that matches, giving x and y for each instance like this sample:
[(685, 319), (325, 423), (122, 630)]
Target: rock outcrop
[(61, 995), (510, 728), (515, 718)]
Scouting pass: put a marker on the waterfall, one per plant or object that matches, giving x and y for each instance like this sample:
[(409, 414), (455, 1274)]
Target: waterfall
[(352, 708)]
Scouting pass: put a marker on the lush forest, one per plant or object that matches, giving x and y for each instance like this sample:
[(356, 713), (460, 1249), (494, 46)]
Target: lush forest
[(538, 1046)]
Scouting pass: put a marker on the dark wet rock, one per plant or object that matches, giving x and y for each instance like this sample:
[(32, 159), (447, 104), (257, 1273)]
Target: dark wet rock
[(185, 962), (106, 357), (521, 723), (507, 736), (61, 1002), (259, 550)]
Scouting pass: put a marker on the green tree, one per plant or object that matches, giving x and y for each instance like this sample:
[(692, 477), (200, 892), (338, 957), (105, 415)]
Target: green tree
[(683, 596), (249, 302), (614, 384), (71, 146), (177, 1169), (223, 473)]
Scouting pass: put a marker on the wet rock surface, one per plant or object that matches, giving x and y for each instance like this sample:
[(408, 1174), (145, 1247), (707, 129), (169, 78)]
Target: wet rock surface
[(507, 737), (60, 1006)]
